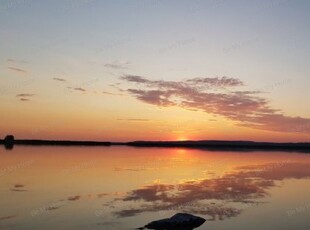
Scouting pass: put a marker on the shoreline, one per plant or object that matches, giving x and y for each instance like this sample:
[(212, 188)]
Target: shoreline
[(205, 144)]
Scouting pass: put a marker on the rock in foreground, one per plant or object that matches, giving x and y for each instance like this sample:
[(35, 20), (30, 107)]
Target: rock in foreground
[(180, 221)]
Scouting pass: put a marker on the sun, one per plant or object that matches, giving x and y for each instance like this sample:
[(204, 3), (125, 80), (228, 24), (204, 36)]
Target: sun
[(182, 138)]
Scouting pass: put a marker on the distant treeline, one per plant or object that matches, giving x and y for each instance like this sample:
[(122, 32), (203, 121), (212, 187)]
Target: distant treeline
[(63, 143), (212, 145), (225, 145)]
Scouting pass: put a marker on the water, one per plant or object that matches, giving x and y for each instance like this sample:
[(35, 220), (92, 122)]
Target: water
[(126, 187)]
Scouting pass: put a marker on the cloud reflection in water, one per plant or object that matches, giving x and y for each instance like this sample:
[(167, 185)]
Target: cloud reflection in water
[(222, 197)]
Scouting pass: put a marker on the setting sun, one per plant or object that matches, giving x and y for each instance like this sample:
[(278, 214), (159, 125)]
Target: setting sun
[(182, 138)]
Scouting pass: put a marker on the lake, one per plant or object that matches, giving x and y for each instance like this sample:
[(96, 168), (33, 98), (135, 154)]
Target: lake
[(121, 187)]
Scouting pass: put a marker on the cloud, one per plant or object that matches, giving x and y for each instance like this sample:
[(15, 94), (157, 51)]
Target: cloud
[(24, 99), (134, 120), (74, 198), (17, 69), (25, 95), (218, 96), (80, 89), (59, 79), (116, 86), (198, 83), (217, 81), (113, 94), (118, 65)]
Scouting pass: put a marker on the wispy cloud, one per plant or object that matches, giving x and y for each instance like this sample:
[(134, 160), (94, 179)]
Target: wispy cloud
[(116, 86), (79, 89), (83, 86), (134, 119), (25, 96), (219, 96), (17, 69), (112, 94), (24, 99), (118, 65), (59, 79)]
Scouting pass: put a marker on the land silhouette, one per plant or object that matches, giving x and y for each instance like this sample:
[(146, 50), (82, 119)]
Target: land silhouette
[(9, 141)]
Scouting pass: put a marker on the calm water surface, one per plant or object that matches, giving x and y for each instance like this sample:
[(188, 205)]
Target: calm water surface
[(125, 188)]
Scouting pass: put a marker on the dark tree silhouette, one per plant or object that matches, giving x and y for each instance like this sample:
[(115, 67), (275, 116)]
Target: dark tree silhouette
[(9, 141)]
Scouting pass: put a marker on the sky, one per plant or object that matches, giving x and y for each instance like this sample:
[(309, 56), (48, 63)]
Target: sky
[(155, 70)]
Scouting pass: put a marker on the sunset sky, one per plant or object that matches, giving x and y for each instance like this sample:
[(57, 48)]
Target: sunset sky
[(155, 70)]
